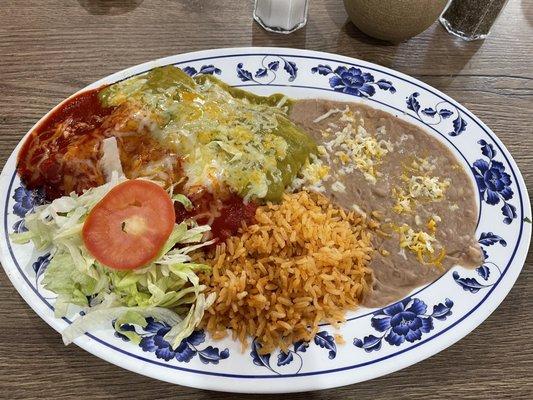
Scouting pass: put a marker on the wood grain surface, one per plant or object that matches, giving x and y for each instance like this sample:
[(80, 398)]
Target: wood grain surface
[(50, 49)]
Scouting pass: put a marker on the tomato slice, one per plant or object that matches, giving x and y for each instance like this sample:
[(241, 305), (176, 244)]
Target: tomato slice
[(130, 225)]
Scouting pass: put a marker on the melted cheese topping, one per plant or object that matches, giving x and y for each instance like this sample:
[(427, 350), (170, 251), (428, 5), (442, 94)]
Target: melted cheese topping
[(225, 140)]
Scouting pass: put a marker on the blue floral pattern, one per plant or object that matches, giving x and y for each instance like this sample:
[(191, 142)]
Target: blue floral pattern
[(25, 202), (322, 339), (494, 184), (494, 178), (267, 73), (152, 341), (435, 115), (473, 285), (204, 69), (40, 265), (404, 321), (487, 239), (353, 80)]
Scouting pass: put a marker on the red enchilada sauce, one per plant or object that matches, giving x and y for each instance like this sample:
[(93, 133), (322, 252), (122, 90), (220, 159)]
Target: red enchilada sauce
[(62, 156), (225, 216), (61, 153)]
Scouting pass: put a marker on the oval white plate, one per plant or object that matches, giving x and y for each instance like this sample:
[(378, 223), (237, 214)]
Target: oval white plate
[(443, 312)]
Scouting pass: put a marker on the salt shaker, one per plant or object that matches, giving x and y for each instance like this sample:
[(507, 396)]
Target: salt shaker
[(281, 16), (471, 19)]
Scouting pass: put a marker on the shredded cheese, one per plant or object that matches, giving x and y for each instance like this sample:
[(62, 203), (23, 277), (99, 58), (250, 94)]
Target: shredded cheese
[(312, 175), (338, 187), (403, 202), (422, 164), (420, 186), (358, 210), (353, 147), (326, 115), (226, 139), (427, 187), (421, 243)]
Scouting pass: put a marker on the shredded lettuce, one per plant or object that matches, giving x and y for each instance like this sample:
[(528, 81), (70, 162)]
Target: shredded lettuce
[(100, 319), (110, 161), (180, 198), (168, 289)]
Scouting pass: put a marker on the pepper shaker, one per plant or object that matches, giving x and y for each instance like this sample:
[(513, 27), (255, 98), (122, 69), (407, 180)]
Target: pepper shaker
[(471, 19)]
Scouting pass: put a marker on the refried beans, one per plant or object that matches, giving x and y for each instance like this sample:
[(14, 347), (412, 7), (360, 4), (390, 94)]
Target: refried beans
[(408, 180)]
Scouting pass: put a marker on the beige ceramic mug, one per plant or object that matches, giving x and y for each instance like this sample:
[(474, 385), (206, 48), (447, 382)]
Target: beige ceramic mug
[(393, 20)]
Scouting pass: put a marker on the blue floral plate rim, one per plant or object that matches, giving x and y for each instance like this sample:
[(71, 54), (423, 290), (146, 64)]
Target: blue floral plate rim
[(348, 78)]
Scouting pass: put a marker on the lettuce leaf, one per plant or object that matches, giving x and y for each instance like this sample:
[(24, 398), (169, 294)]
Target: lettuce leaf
[(167, 289), (101, 319)]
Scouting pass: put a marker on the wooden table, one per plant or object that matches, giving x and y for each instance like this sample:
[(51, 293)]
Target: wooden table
[(50, 49)]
